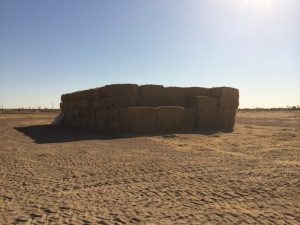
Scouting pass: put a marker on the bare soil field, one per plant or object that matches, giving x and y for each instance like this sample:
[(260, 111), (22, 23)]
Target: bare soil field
[(56, 175)]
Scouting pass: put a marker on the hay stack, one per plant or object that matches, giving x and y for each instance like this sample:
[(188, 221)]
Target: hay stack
[(122, 95), (102, 121), (190, 118), (226, 118), (63, 106), (72, 118), (227, 97), (116, 108), (88, 119), (65, 97), (171, 118), (228, 102), (206, 113), (99, 93), (84, 104), (77, 96), (193, 92), (113, 121), (151, 95), (138, 120), (175, 96), (102, 104)]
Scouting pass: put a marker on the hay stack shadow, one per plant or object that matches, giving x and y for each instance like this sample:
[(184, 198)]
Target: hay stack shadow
[(47, 134)]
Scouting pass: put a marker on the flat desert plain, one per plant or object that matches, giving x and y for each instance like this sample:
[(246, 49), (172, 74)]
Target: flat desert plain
[(55, 175)]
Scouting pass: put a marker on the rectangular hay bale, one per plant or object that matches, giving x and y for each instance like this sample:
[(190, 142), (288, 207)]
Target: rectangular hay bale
[(227, 97), (102, 104), (102, 121), (100, 93), (174, 96), (151, 95), (206, 114), (171, 118), (88, 119), (226, 118), (122, 95), (72, 118), (190, 118), (90, 94), (138, 120), (85, 104), (64, 97), (113, 120), (192, 92), (151, 90)]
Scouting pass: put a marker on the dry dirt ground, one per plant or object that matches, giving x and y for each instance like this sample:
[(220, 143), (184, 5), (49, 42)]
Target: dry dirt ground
[(54, 175)]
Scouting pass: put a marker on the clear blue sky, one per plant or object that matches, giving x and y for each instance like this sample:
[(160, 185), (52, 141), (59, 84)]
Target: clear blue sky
[(52, 47)]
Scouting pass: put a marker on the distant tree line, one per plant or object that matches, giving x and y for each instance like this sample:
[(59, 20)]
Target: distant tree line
[(40, 110), (28, 110), (287, 108)]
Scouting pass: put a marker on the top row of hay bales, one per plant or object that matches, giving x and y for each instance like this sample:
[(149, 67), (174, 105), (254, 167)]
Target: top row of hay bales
[(132, 95)]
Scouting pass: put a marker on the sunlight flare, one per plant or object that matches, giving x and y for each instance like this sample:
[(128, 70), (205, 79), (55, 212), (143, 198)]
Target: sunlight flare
[(259, 5)]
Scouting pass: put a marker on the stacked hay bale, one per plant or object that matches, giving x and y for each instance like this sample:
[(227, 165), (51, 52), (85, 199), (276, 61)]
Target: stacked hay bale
[(190, 121), (228, 102), (119, 96), (171, 118), (174, 96), (129, 108), (194, 111), (193, 92), (206, 112), (122, 95), (99, 108), (138, 120), (151, 95)]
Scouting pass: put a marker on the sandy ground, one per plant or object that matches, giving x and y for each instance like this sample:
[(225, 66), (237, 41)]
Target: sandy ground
[(53, 175)]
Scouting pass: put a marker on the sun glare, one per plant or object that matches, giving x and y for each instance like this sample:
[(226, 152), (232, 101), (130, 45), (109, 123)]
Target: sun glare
[(260, 5), (265, 7)]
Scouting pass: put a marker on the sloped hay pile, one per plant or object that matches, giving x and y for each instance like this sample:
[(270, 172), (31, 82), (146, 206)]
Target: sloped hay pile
[(129, 108)]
